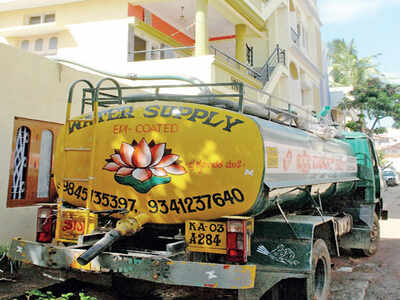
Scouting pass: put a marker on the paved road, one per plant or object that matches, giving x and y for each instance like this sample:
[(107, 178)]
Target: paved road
[(377, 277)]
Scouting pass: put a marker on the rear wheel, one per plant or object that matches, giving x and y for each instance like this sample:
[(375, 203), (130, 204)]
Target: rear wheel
[(375, 236), (320, 279)]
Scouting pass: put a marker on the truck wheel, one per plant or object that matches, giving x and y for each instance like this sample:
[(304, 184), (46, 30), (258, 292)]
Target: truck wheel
[(319, 283), (375, 236)]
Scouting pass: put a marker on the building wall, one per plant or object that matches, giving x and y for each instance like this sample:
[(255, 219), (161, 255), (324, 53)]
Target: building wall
[(37, 88), (92, 31), (297, 15), (95, 32), (70, 13)]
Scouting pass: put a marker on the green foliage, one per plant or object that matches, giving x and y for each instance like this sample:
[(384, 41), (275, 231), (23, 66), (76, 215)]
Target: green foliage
[(381, 158), (84, 297), (347, 68), (375, 101), (4, 249), (38, 295)]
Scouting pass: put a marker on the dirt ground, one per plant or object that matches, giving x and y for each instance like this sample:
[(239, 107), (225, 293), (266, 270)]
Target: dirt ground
[(377, 277), (373, 278)]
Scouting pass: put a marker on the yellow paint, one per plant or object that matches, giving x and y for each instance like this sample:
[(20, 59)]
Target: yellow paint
[(252, 270), (224, 72), (74, 222), (272, 157), (240, 32), (245, 10), (206, 153), (76, 265)]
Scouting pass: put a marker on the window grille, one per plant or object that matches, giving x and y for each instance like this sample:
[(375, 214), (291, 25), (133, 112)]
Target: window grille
[(20, 163)]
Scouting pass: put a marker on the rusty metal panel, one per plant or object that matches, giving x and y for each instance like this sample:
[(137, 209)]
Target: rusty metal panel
[(139, 266)]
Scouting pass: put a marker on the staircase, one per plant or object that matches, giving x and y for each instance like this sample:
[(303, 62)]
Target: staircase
[(277, 57)]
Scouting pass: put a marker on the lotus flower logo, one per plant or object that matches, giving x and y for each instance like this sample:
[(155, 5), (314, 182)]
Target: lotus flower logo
[(143, 166)]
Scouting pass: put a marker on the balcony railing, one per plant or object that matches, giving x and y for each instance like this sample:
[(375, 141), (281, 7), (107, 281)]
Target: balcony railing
[(234, 63), (277, 57)]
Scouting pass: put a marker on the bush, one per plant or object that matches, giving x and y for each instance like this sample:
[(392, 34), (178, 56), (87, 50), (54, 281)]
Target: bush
[(39, 295)]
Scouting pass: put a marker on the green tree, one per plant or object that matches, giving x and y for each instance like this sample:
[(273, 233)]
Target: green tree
[(374, 100), (346, 68)]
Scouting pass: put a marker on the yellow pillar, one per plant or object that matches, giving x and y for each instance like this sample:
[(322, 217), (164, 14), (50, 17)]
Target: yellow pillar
[(240, 32), (201, 28)]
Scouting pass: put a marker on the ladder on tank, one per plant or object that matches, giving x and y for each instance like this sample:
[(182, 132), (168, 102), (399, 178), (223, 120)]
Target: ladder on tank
[(90, 179)]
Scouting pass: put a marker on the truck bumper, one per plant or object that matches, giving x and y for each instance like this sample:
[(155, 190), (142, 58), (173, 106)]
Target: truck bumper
[(137, 266)]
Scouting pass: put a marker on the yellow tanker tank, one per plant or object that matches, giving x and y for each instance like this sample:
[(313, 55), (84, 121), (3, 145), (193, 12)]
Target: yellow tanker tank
[(171, 161)]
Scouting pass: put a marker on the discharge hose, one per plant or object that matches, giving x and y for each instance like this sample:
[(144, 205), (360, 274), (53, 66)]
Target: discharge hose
[(125, 227)]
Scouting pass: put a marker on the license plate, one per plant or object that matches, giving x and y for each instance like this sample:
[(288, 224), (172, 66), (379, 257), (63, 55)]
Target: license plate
[(203, 236)]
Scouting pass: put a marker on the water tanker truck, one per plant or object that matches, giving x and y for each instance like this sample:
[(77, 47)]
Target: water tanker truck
[(206, 189)]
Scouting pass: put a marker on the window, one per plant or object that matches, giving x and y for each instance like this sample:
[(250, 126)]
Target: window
[(35, 20), (39, 45), (139, 45), (39, 19), (25, 44), (49, 18), (30, 179), (44, 45), (53, 43)]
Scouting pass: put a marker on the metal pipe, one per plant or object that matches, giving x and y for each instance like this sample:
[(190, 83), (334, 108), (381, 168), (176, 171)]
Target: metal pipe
[(105, 242), (132, 76), (125, 227)]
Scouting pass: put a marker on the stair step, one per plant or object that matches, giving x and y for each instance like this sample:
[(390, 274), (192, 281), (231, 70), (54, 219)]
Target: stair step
[(79, 179), (77, 149)]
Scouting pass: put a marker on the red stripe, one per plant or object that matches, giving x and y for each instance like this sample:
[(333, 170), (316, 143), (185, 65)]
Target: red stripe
[(226, 37)]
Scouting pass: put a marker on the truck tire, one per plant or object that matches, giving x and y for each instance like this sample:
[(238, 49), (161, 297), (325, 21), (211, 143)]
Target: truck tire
[(320, 279), (375, 236)]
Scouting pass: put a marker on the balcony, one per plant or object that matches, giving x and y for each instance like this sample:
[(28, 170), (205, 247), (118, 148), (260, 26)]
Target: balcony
[(218, 66), (31, 30)]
